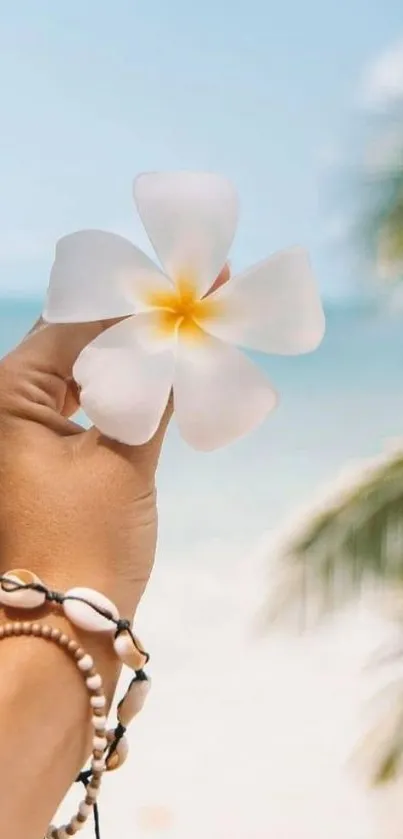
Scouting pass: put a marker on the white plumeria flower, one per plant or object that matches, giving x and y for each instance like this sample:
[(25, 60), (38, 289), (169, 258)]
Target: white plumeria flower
[(173, 335)]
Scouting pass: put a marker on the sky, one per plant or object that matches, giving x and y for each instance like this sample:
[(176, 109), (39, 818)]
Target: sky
[(266, 93)]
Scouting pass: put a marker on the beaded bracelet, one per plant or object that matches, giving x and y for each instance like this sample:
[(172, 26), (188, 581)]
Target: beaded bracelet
[(91, 611)]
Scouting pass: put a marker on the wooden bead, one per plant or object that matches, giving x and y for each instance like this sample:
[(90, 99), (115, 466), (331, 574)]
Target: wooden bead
[(94, 682), (63, 640), (78, 653), (82, 615), (84, 809), (133, 701), (21, 598), (100, 742), (85, 663), (98, 701), (130, 651), (98, 764), (99, 722), (118, 756)]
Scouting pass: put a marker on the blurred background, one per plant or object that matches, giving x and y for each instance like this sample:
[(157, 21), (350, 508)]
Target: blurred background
[(249, 733)]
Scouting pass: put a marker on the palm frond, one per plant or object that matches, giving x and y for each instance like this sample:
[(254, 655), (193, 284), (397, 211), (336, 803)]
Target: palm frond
[(351, 536), (380, 219), (390, 242), (381, 748), (382, 751)]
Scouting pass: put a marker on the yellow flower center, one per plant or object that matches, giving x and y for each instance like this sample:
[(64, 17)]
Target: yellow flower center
[(181, 309)]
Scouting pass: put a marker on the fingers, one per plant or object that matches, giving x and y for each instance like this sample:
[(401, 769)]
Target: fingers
[(54, 347), (38, 373)]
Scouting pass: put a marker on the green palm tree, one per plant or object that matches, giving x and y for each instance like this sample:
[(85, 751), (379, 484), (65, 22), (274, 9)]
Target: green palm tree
[(388, 234), (350, 540), (381, 196), (352, 537)]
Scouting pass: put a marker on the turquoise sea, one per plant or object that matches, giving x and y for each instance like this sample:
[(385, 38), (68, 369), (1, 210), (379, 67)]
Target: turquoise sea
[(256, 733)]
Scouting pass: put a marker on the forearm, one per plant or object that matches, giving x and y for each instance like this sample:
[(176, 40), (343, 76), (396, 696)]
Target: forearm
[(45, 726)]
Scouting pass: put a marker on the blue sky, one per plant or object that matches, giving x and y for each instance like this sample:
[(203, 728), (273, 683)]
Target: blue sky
[(94, 92)]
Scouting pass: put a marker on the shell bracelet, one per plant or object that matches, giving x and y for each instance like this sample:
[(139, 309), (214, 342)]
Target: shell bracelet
[(92, 611)]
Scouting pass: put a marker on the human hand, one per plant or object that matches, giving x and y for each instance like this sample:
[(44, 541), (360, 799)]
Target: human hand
[(75, 507)]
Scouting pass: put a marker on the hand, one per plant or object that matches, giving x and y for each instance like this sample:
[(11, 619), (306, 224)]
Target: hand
[(75, 507)]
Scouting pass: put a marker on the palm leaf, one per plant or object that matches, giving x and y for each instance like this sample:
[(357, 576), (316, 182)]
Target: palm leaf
[(381, 748), (380, 220), (390, 242), (352, 536)]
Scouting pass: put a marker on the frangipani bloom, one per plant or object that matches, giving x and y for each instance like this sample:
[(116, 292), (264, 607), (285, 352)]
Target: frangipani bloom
[(173, 335)]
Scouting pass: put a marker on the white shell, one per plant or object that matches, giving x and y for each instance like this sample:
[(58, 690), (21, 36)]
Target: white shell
[(130, 653), (20, 598), (133, 701), (86, 618), (119, 755)]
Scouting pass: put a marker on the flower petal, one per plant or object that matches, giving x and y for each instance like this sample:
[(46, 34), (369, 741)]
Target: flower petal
[(273, 307), (124, 388), (97, 276), (191, 220), (219, 394)]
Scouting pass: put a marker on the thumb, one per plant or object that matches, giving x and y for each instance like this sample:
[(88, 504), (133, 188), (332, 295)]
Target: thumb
[(54, 347), (38, 372)]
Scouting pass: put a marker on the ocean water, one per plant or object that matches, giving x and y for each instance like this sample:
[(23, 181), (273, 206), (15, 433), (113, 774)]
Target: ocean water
[(244, 737)]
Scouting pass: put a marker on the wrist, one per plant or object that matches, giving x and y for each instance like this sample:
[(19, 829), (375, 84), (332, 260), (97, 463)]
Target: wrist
[(45, 724), (98, 645)]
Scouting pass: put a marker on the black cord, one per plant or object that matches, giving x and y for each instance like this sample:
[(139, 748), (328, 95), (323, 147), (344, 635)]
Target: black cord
[(84, 778), (121, 624)]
